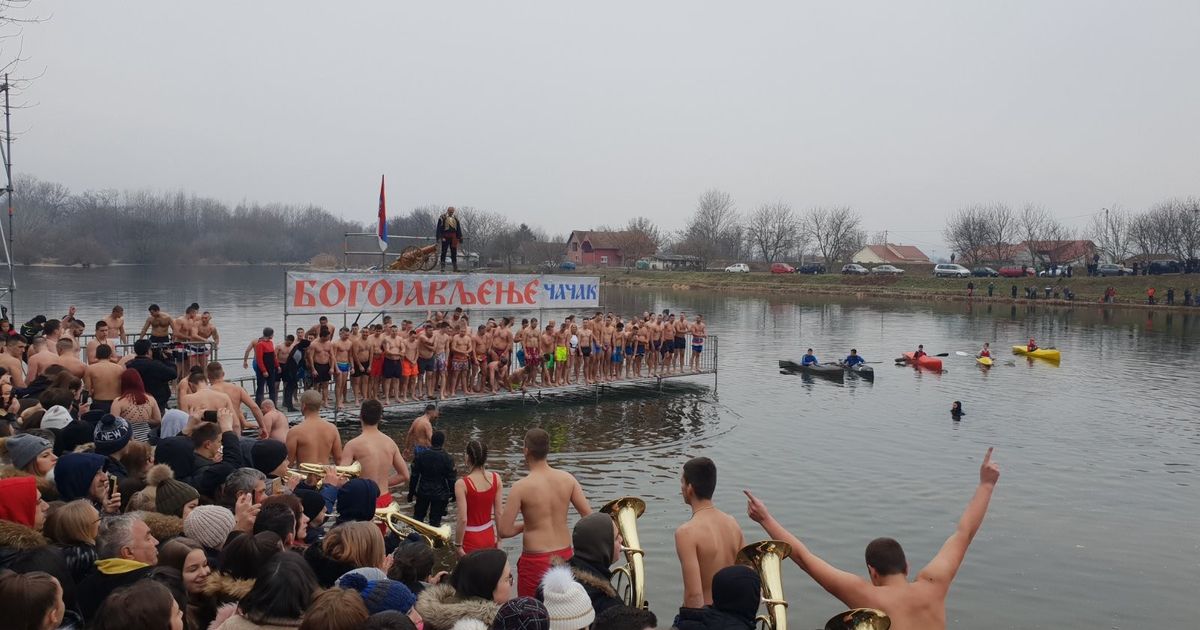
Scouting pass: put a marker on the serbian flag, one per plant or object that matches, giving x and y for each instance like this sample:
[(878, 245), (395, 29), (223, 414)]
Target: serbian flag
[(381, 231)]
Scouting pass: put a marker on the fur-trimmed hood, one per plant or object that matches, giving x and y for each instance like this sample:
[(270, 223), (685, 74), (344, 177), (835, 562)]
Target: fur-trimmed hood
[(588, 579), (441, 607), (18, 536), (163, 526), (225, 588)]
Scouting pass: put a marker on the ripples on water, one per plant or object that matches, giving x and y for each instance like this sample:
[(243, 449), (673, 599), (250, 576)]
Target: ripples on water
[(1093, 523)]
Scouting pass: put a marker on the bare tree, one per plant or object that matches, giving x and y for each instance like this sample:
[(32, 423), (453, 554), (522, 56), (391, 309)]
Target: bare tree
[(1003, 230), (1178, 223), (967, 232), (835, 232), (1042, 234), (713, 230), (639, 239), (1110, 231), (482, 228), (771, 230)]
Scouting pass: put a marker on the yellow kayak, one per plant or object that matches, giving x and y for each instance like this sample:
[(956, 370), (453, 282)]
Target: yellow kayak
[(984, 361), (1050, 354)]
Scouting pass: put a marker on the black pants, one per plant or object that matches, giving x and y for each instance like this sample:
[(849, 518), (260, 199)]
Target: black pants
[(290, 385), (448, 244), (269, 381), (436, 509)]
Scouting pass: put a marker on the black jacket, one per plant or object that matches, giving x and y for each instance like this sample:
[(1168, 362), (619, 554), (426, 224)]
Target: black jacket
[(203, 474), (432, 475), (441, 228), (157, 377), (97, 586), (709, 618), (80, 559), (596, 582)]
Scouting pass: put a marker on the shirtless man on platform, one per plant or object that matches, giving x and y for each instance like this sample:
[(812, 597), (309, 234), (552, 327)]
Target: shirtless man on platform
[(380, 459), (103, 379), (699, 332), (159, 325), (460, 359), (360, 355), (393, 365), (101, 339), (420, 434), (314, 440), (408, 366), (68, 359), (320, 365), (541, 498), (709, 541), (216, 378), (204, 398), (206, 330), (919, 605), (426, 365), (41, 356), (116, 323), (10, 359), (274, 425), (344, 363)]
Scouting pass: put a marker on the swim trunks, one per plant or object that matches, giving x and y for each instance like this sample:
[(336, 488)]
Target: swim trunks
[(343, 367), (458, 362), (698, 349), (560, 354), (548, 360), (377, 366), (358, 371), (426, 365), (531, 567), (392, 369), (439, 362), (585, 351), (617, 355), (680, 343), (408, 368), (198, 349), (641, 349), (521, 358), (322, 375)]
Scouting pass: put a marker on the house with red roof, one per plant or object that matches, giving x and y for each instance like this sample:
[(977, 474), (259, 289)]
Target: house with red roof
[(891, 254), (590, 248)]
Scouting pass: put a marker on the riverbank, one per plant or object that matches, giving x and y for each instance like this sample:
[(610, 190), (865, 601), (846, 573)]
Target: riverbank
[(1131, 290)]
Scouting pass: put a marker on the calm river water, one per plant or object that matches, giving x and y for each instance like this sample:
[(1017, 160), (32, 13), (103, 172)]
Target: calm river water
[(1094, 521)]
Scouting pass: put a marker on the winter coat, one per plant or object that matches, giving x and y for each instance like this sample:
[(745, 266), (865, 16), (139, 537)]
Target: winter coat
[(441, 607), (327, 569), (110, 574), (432, 475), (220, 590), (709, 618), (596, 582), (23, 549), (163, 527), (80, 558), (229, 619)]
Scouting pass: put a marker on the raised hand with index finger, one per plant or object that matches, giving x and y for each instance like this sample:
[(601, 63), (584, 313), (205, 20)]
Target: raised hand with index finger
[(989, 471)]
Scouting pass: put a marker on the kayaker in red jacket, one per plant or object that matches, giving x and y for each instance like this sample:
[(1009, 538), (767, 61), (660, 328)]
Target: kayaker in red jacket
[(1032, 345), (986, 352), (920, 352)]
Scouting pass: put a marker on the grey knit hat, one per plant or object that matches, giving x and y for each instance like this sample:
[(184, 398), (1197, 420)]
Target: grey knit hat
[(208, 525), (23, 448)]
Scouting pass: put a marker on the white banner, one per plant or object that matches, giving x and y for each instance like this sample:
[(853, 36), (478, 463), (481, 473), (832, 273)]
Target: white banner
[(324, 292)]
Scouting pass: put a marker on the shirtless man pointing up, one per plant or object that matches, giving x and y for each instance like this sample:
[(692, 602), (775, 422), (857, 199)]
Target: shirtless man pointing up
[(919, 605), (541, 498)]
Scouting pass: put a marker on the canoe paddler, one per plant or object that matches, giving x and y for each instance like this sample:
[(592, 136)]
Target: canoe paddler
[(853, 359), (1032, 345), (920, 352), (809, 359), (986, 352)]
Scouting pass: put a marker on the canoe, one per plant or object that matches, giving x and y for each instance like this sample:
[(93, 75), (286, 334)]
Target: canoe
[(984, 361), (1050, 354), (831, 372), (865, 372), (927, 362)]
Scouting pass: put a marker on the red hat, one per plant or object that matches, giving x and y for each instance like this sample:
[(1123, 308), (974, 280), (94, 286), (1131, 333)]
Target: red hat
[(18, 500)]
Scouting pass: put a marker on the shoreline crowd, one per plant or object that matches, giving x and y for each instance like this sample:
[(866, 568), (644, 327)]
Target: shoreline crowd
[(119, 511)]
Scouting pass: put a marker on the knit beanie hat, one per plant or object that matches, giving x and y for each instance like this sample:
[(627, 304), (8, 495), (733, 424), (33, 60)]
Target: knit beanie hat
[(312, 502), (380, 595), (356, 500), (56, 417), (208, 525), (23, 448), (522, 613), (74, 473), (737, 590), (267, 455), (568, 605), (111, 435), (170, 495), (593, 538)]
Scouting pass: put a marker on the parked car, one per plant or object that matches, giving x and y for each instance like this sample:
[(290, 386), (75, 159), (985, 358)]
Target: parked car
[(1016, 272), (887, 270), (1159, 267), (738, 268), (951, 270), (854, 270), (567, 265), (813, 268), (1053, 272), (1113, 269), (782, 268), (985, 272)]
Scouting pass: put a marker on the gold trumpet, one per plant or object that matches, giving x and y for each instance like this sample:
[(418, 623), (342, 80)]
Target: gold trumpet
[(766, 556), (860, 619), (318, 470), (435, 536), (625, 512)]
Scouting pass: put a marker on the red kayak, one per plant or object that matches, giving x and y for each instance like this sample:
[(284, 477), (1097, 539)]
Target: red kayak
[(927, 362)]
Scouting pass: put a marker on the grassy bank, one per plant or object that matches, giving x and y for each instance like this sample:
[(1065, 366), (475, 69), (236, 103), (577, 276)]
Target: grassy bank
[(1131, 291)]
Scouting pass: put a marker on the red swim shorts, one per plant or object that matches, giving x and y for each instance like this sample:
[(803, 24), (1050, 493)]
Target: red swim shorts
[(533, 565)]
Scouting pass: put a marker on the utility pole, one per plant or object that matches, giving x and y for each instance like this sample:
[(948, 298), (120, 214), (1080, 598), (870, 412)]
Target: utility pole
[(8, 189)]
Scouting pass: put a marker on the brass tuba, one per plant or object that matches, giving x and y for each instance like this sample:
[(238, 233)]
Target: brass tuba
[(401, 523), (860, 619), (766, 556), (625, 512), (349, 472)]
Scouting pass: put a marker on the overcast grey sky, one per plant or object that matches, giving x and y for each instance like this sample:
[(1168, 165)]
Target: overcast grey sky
[(569, 115)]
